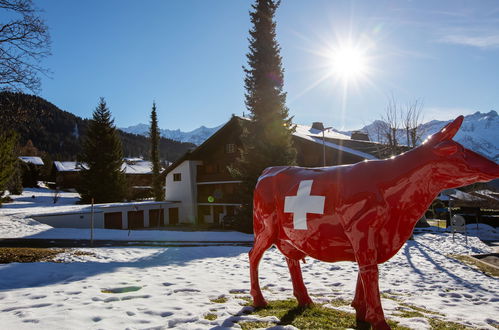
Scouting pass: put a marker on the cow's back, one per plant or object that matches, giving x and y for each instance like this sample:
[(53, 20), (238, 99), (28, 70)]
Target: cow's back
[(324, 237)]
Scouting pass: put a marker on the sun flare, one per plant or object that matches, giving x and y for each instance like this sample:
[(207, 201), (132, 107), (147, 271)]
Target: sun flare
[(348, 63)]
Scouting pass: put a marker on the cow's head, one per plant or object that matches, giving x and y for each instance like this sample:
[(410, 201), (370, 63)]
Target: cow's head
[(454, 165)]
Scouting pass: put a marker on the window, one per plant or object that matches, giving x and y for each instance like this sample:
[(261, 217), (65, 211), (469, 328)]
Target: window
[(177, 176), (230, 148)]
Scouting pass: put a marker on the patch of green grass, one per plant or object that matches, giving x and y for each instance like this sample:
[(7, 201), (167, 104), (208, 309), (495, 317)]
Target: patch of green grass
[(267, 288), (124, 289), (389, 296), (408, 313), (220, 300), (210, 316), (22, 254), (420, 309), (247, 325), (248, 300), (470, 261), (437, 324), (314, 317), (339, 302)]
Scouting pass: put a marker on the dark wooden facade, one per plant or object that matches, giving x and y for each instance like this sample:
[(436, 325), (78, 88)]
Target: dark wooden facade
[(217, 189)]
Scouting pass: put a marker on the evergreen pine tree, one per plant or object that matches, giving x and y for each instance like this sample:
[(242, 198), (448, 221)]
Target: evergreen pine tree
[(8, 161), (157, 182), (266, 139), (102, 154)]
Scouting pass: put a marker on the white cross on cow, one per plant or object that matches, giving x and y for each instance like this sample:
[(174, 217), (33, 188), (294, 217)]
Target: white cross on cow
[(303, 203)]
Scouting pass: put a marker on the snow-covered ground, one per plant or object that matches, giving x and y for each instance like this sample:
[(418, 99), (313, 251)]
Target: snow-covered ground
[(138, 288), (15, 222)]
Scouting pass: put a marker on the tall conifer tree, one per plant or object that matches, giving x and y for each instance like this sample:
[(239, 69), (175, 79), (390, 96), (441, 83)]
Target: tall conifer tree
[(266, 138), (157, 182), (102, 153), (8, 160)]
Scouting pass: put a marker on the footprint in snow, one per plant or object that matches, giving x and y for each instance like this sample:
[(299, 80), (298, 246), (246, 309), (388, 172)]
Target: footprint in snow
[(31, 321), (10, 309), (136, 297), (122, 289), (162, 314), (186, 290)]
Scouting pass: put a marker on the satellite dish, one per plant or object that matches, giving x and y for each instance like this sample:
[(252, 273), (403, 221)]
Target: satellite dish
[(458, 221)]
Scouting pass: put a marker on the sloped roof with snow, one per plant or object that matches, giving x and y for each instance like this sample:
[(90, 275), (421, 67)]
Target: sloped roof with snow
[(129, 166), (332, 145), (69, 166), (329, 133), (32, 160), (137, 167), (462, 196)]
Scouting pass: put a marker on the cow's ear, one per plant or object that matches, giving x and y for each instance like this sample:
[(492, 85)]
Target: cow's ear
[(448, 132), (445, 148)]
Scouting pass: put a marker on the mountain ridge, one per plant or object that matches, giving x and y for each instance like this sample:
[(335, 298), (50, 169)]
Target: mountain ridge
[(196, 136), (59, 133), (479, 132)]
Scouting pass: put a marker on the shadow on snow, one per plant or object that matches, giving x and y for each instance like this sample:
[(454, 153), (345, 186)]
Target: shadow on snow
[(25, 275)]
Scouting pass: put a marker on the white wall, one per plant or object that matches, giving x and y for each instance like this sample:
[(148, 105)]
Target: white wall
[(71, 220), (82, 219), (184, 191)]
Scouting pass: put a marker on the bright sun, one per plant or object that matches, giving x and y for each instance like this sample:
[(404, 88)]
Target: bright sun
[(348, 63)]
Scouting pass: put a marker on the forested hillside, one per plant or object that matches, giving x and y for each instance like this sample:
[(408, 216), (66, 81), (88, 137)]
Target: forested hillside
[(59, 132)]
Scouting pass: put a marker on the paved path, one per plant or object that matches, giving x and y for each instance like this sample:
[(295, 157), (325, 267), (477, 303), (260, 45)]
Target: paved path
[(68, 243)]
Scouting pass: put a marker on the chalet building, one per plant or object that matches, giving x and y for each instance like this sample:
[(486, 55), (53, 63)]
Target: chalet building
[(201, 182), (138, 173), (477, 203), (67, 174)]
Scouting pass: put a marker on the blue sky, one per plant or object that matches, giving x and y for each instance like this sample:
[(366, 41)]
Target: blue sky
[(187, 55)]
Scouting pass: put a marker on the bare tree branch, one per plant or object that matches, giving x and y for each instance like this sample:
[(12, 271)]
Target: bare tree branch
[(24, 42), (397, 121)]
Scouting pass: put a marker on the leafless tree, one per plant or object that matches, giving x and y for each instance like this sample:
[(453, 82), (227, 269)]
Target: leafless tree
[(397, 120), (412, 121), (24, 42), (391, 118)]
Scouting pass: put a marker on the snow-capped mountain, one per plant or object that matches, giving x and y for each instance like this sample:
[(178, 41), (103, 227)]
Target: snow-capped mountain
[(197, 136), (479, 132)]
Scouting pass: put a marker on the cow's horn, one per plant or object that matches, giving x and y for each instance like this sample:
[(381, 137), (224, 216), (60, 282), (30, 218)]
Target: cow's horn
[(449, 130)]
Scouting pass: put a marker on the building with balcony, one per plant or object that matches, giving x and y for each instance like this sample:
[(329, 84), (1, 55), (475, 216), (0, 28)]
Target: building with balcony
[(201, 182)]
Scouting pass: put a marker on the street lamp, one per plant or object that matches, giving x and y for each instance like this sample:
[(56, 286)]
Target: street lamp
[(320, 126)]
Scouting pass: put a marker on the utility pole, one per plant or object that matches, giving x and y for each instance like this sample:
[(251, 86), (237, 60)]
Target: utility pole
[(324, 145)]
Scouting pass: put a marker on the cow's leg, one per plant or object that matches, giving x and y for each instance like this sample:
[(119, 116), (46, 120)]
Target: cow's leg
[(261, 244), (359, 302), (374, 312), (299, 289), (364, 239)]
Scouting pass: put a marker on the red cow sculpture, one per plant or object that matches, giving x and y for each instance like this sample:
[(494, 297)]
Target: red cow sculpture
[(363, 212)]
